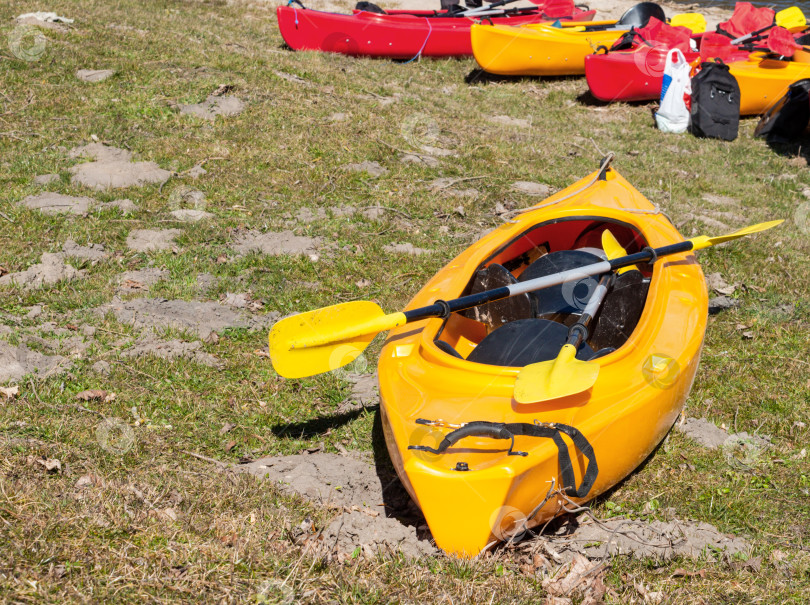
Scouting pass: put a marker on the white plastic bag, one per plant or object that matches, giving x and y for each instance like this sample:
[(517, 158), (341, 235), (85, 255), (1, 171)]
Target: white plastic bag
[(673, 115)]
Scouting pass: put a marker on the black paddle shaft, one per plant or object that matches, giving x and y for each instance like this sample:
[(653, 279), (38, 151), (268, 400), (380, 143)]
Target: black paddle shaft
[(442, 308)]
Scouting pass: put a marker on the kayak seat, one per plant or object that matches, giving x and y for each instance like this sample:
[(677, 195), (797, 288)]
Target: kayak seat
[(500, 312), (561, 302), (620, 311), (523, 342), (369, 7)]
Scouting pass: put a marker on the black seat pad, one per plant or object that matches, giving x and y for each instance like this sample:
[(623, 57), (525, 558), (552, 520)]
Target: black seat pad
[(565, 298), (620, 311), (525, 341), (499, 312)]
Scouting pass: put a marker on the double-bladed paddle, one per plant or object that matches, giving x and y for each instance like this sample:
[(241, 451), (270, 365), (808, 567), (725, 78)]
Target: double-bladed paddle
[(566, 375), (789, 18), (326, 339)]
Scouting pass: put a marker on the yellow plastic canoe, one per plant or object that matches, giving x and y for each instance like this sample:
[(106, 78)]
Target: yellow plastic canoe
[(536, 51), (475, 492), (541, 49), (764, 80)]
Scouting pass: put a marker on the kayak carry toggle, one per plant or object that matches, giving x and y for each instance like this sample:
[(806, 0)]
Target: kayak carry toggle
[(480, 428)]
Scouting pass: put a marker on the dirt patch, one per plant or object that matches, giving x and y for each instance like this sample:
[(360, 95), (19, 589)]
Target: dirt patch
[(140, 281), (56, 203), (46, 179), (352, 485), (189, 215), (125, 206), (214, 106), (530, 188), (374, 535), (150, 344), (272, 243), (703, 432), (206, 282), (44, 19), (657, 540), (721, 303), (94, 75), (373, 169), (365, 393), (740, 449), (200, 318), (327, 479), (241, 300), (406, 248), (113, 168), (416, 158), (716, 282), (91, 252), (16, 362), (144, 240), (50, 270)]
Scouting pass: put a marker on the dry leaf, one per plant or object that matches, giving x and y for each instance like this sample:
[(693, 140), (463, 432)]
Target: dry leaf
[(84, 481), (748, 335), (227, 427), (363, 283), (52, 465), (91, 395), (10, 392), (230, 446), (131, 284), (262, 353)]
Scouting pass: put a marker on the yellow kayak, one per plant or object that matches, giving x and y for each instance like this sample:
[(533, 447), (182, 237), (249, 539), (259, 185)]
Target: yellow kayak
[(482, 466), (764, 80), (536, 51), (541, 49)]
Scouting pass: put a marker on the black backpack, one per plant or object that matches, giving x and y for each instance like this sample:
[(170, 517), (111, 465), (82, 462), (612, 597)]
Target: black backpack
[(788, 118), (715, 102)]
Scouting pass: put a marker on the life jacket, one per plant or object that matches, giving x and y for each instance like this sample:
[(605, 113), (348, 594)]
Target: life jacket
[(656, 33), (746, 19)]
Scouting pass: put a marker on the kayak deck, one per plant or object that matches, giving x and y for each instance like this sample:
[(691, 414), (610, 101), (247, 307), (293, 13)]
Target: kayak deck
[(478, 491)]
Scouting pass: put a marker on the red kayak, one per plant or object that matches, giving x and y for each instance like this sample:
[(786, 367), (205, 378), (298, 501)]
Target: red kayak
[(633, 70), (402, 34), (636, 74)]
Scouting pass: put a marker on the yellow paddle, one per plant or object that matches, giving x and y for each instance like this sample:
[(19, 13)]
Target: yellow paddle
[(614, 249), (695, 22), (326, 339), (567, 375), (792, 19)]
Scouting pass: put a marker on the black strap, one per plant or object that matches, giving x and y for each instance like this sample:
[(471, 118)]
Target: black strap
[(554, 431)]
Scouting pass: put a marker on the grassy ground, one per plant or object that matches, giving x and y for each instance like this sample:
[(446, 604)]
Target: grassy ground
[(157, 525)]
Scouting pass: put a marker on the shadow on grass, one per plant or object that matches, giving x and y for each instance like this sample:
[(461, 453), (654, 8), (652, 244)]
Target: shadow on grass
[(398, 503), (797, 149), (317, 426), (479, 76)]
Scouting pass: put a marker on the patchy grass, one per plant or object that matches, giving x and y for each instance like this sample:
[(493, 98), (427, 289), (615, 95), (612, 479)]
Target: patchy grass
[(153, 524)]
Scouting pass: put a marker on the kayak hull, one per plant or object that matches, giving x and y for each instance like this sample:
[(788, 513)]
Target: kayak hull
[(637, 75), (395, 35), (633, 75), (624, 416), (535, 50), (764, 81)]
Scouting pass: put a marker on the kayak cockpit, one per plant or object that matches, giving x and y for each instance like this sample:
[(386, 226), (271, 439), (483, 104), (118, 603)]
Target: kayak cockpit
[(532, 327)]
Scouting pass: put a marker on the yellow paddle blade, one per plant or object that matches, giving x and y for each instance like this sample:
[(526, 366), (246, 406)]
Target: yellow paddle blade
[(614, 249), (791, 18), (327, 339), (695, 22), (703, 241), (555, 378)]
